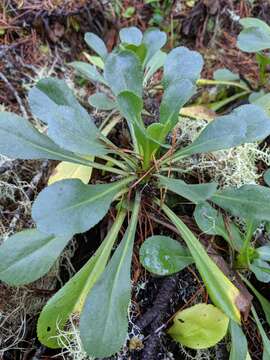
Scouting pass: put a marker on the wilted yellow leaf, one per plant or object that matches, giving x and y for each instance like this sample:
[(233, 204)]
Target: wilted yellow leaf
[(66, 170), (198, 112)]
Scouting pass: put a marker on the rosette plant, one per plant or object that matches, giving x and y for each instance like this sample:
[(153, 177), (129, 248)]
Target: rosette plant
[(101, 291)]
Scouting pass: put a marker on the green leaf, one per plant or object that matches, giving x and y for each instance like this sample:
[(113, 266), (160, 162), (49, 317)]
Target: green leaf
[(221, 291), (263, 102), (194, 192), (265, 304), (104, 323), (95, 60), (154, 40), (182, 63), (19, 139), (69, 124), (175, 96), (140, 50), (48, 94), (265, 340), (261, 269), (247, 202), (162, 255), (264, 252), (131, 35), (68, 207), (28, 255), (67, 170), (88, 71), (96, 44), (71, 297), (130, 106), (129, 11), (239, 348), (123, 71), (156, 135), (199, 327), (101, 101), (246, 124), (225, 75), (75, 133), (155, 63), (266, 177), (211, 222), (255, 36)]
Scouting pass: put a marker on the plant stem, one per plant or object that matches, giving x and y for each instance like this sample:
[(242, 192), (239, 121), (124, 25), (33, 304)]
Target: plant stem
[(105, 168), (219, 104), (118, 163), (206, 82), (243, 257)]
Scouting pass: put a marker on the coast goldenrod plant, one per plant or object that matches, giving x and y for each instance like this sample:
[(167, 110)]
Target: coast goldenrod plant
[(100, 293)]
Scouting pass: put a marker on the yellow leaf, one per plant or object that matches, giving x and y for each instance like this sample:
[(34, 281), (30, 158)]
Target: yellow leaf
[(95, 60), (198, 112), (66, 170), (200, 326)]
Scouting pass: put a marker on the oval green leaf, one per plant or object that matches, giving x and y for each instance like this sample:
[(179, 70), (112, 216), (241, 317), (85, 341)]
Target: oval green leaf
[(154, 40), (28, 255), (96, 44), (123, 72), (101, 101), (255, 36), (162, 255), (131, 35), (182, 63), (68, 207)]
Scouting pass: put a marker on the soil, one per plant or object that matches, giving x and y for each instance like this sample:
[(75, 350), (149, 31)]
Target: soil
[(39, 38)]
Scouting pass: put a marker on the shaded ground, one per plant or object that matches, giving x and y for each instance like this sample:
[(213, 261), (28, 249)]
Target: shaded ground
[(38, 39)]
